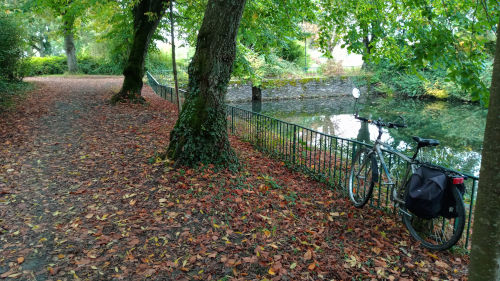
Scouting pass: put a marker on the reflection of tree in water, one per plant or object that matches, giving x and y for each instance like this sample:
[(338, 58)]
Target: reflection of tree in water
[(257, 106), (328, 127), (363, 133)]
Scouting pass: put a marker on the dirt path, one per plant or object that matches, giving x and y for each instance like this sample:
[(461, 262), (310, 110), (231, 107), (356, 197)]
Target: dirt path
[(55, 145), (82, 196)]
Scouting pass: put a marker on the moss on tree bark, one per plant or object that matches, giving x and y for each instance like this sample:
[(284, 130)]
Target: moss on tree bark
[(200, 134), (147, 15), (485, 251)]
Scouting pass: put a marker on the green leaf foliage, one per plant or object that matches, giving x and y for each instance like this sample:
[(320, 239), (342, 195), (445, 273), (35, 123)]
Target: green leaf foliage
[(11, 47), (35, 66), (418, 34)]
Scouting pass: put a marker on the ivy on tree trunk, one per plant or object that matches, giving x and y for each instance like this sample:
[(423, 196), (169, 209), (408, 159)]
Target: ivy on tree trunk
[(147, 15), (485, 249), (200, 134)]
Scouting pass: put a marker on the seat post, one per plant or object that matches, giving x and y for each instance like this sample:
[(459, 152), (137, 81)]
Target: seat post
[(416, 152)]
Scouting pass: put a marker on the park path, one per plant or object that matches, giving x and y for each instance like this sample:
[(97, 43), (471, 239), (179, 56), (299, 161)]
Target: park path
[(64, 139), (84, 197)]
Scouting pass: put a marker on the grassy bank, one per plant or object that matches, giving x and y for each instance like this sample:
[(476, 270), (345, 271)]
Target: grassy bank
[(12, 92)]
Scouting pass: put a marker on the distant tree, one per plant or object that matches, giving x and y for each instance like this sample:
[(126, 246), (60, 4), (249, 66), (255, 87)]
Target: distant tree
[(358, 24), (200, 134), (485, 249), (38, 32), (147, 15), (66, 12)]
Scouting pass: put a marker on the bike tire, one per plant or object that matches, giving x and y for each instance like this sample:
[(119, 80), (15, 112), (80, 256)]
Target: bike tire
[(424, 230), (361, 177)]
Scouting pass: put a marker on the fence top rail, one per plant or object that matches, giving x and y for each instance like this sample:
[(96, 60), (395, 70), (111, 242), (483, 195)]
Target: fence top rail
[(152, 78), (162, 85), (302, 127)]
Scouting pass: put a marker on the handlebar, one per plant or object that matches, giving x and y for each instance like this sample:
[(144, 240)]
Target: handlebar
[(380, 123)]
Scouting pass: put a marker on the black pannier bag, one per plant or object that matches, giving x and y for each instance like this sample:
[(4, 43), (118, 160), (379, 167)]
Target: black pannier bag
[(426, 189), (449, 202)]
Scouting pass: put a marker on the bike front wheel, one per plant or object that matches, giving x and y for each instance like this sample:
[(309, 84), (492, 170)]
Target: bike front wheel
[(361, 178), (438, 233)]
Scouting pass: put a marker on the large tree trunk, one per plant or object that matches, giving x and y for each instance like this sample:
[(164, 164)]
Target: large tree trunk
[(485, 252), (69, 45), (147, 15), (200, 134)]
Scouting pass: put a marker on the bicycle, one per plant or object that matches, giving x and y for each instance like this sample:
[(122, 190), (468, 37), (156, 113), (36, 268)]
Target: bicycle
[(438, 233)]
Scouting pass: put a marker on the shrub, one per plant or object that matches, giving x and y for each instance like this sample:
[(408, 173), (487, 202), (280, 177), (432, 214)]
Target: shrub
[(332, 68), (160, 64), (93, 65), (35, 66), (425, 83), (292, 52), (11, 45)]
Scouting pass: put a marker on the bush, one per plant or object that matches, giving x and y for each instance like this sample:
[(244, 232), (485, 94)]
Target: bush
[(160, 64), (428, 83), (332, 68), (92, 65), (36, 66), (292, 52), (11, 48)]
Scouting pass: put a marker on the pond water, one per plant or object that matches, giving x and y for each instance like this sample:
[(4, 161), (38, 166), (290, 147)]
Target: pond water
[(459, 127)]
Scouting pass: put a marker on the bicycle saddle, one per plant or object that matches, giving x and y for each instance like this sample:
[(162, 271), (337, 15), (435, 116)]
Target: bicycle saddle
[(425, 142)]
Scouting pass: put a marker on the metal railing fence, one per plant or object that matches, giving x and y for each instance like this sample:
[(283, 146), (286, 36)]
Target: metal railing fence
[(325, 157), (164, 91)]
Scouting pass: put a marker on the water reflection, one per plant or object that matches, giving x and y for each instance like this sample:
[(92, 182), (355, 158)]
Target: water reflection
[(257, 106), (459, 127)]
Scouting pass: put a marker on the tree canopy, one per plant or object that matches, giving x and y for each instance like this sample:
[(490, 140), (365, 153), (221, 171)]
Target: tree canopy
[(454, 35)]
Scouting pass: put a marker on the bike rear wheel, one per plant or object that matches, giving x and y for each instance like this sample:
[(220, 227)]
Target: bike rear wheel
[(439, 233), (361, 178)]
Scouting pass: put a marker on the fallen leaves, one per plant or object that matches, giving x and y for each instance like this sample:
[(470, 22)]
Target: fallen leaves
[(92, 207), (312, 266), (308, 255)]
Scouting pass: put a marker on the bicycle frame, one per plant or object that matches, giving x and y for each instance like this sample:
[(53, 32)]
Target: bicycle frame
[(377, 150)]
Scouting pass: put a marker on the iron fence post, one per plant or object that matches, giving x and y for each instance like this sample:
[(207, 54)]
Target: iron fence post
[(232, 120), (293, 143)]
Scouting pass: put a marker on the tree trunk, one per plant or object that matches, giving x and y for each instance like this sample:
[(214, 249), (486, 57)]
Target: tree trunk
[(46, 47), (485, 252), (147, 14), (256, 93), (69, 46), (200, 134)]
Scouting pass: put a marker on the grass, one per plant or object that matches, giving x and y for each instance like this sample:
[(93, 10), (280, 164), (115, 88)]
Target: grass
[(11, 93)]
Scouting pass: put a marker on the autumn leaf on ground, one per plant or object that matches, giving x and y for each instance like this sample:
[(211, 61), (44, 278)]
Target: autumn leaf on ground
[(308, 255), (114, 215)]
